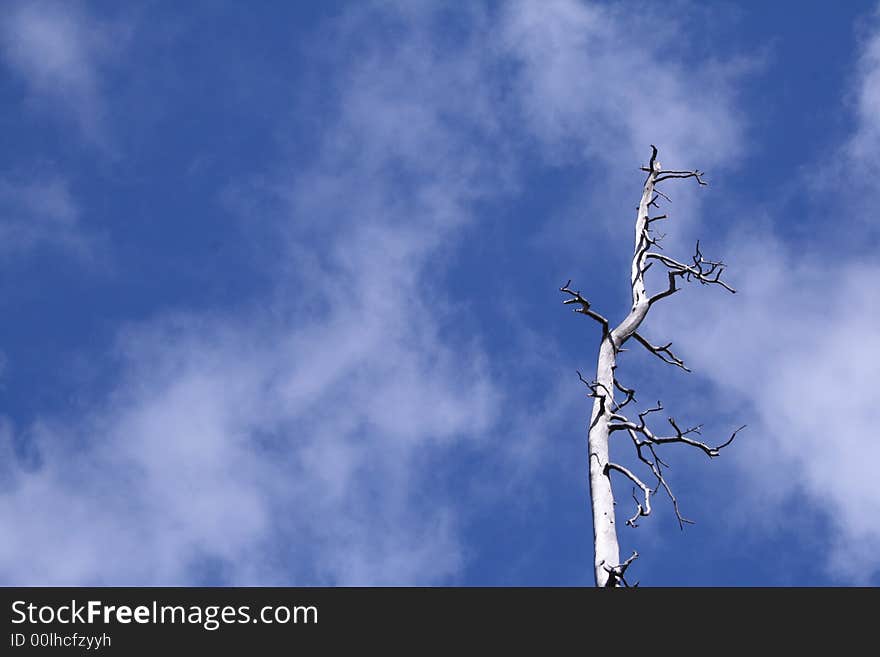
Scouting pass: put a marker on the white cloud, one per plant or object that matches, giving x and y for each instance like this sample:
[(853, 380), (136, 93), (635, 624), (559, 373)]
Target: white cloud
[(294, 449), (800, 345), (288, 454), (60, 51), (297, 444), (597, 84), (796, 353), (602, 83), (864, 146)]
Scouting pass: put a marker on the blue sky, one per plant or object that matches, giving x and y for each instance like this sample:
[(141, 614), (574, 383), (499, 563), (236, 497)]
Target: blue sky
[(280, 288)]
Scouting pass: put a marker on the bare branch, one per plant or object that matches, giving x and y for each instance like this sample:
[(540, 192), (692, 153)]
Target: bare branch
[(641, 427), (656, 466), (669, 291), (667, 175), (629, 392), (681, 436), (651, 240), (584, 305), (707, 272), (608, 417), (641, 509), (669, 262), (682, 521), (619, 422), (653, 165), (663, 353), (649, 440), (730, 440), (653, 409), (616, 573), (662, 195), (594, 392), (657, 457)]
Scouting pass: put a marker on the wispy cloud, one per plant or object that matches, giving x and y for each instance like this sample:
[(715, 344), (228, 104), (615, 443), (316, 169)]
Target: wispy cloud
[(596, 84), (799, 345), (864, 146), (299, 442), (795, 352), (60, 51), (283, 457), (599, 83), (295, 449)]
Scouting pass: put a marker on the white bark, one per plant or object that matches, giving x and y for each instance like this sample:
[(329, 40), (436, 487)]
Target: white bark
[(606, 418), (607, 551)]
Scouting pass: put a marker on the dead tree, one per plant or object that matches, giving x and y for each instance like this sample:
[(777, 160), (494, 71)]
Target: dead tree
[(607, 417)]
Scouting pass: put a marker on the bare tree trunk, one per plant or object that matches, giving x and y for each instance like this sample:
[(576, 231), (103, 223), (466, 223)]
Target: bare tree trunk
[(601, 493), (606, 417)]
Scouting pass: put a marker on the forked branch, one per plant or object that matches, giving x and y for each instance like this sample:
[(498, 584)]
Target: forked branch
[(584, 305), (618, 422), (643, 438), (607, 415), (706, 272), (641, 509), (663, 353), (616, 573)]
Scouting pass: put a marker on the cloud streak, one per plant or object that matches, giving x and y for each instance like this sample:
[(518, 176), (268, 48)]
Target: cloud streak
[(799, 348), (60, 52), (299, 441)]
